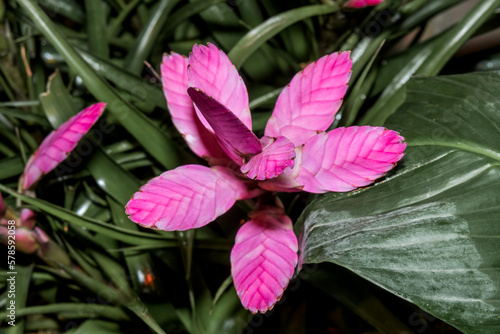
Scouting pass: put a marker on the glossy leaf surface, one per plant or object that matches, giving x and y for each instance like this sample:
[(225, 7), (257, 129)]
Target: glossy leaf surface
[(428, 234)]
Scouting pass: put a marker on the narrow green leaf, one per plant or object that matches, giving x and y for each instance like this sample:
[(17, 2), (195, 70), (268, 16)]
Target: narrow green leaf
[(22, 280), (247, 45), (11, 167), (386, 104), (353, 292), (69, 8), (135, 122)]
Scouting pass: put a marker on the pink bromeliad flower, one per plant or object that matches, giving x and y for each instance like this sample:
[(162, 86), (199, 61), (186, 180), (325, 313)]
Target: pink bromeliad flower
[(208, 102), (362, 3)]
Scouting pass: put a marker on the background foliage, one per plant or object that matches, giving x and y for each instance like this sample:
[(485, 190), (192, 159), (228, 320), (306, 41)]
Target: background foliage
[(426, 236)]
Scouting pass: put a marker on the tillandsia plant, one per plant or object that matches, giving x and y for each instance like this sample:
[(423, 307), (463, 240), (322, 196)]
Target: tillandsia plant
[(208, 102)]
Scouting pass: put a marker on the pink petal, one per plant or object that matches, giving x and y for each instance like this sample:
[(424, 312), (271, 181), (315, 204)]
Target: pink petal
[(311, 100), (59, 143), (211, 71), (277, 154), (187, 197), (234, 137), (175, 84), (263, 259), (347, 158), (362, 3)]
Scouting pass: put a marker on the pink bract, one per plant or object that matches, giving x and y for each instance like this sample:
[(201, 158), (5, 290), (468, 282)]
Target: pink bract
[(59, 143), (362, 3), (187, 197), (295, 154)]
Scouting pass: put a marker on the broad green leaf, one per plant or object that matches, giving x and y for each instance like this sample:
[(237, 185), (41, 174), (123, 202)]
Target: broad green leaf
[(272, 26), (430, 232)]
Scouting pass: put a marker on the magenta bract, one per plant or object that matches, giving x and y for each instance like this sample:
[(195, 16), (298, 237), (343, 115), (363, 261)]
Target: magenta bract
[(362, 3), (295, 154)]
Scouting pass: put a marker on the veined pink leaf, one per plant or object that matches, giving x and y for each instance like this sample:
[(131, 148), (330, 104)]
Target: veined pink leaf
[(362, 3), (347, 158), (277, 154), (309, 103), (3, 208), (211, 71), (59, 143), (187, 197), (263, 259), (235, 138), (175, 83)]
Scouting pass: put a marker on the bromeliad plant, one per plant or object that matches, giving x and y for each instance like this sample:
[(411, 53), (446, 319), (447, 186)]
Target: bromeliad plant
[(208, 103)]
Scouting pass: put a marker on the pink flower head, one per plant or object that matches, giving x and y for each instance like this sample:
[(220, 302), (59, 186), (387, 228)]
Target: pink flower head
[(208, 102), (362, 3)]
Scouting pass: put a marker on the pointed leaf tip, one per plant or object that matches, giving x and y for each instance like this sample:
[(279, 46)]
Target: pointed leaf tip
[(263, 259), (187, 197), (59, 144)]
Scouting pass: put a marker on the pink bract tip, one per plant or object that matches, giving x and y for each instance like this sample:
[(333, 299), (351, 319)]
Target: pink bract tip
[(263, 259), (309, 103), (187, 197), (211, 71)]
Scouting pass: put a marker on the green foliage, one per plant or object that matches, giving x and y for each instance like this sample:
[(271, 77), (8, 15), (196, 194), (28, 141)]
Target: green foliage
[(426, 234)]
